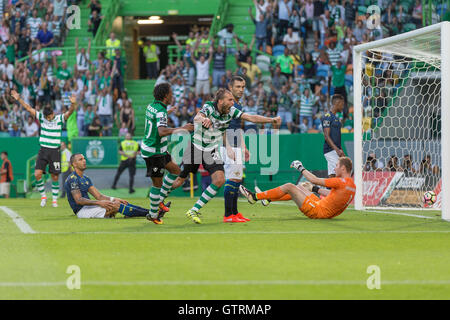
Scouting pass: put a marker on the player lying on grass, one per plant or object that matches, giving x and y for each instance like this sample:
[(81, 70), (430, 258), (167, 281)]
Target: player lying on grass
[(77, 187), (335, 201)]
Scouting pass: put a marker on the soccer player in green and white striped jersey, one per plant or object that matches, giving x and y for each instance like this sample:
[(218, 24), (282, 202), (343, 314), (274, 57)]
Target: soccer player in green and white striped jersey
[(154, 149), (50, 142), (307, 102), (210, 125)]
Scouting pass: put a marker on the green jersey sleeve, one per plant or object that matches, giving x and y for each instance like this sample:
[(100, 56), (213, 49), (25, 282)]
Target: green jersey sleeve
[(207, 109), (61, 118), (161, 119), (235, 113), (39, 116)]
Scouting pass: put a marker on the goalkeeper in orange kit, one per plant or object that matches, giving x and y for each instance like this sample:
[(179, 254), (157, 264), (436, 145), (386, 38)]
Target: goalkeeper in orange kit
[(335, 201)]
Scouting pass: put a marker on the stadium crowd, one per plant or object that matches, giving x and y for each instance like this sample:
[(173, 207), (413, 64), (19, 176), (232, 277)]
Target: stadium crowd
[(27, 27), (310, 41)]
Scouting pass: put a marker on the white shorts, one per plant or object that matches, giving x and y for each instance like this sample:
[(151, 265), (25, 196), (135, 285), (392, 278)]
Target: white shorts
[(4, 188), (332, 160), (88, 212), (234, 169), (202, 87)]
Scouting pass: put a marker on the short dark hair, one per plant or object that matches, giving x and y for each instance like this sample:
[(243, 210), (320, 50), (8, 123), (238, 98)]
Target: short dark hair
[(236, 78), (336, 97), (47, 111), (5, 153), (161, 91), (72, 157), (220, 94)]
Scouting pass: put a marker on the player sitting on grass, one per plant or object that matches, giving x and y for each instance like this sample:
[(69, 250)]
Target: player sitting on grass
[(77, 187), (335, 202)]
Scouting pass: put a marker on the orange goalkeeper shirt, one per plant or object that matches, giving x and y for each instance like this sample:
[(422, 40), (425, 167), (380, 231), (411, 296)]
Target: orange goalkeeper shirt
[(341, 195)]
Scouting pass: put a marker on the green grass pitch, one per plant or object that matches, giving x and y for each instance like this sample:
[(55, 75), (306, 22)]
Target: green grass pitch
[(280, 254)]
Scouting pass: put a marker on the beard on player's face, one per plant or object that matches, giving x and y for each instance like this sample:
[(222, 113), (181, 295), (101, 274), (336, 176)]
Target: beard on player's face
[(224, 108)]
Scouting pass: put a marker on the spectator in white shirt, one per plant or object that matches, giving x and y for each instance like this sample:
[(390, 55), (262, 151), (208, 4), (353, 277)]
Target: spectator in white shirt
[(7, 68), (202, 66), (284, 11), (226, 36), (105, 110), (292, 40), (83, 57), (261, 8), (37, 56), (31, 128), (59, 8)]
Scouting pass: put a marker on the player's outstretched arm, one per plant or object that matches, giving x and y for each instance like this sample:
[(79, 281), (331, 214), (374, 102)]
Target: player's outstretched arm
[(261, 119), (73, 105), (308, 175), (27, 107), (165, 131)]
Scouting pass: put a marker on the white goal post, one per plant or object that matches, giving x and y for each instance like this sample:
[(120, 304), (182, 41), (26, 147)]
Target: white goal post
[(402, 111)]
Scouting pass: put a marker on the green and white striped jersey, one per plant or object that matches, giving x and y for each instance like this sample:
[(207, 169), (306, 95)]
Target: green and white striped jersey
[(155, 116), (50, 130), (208, 139)]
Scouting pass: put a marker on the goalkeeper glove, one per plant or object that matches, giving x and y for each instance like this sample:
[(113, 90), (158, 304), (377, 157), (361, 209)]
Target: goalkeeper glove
[(297, 165)]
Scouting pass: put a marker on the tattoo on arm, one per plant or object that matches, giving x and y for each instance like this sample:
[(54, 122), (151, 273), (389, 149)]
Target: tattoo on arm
[(80, 200)]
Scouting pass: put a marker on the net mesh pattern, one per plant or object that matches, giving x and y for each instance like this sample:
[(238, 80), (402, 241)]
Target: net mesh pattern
[(401, 101)]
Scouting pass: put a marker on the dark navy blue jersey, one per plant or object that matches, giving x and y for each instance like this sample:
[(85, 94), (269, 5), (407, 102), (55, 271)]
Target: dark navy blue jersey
[(235, 124), (75, 182), (329, 120)]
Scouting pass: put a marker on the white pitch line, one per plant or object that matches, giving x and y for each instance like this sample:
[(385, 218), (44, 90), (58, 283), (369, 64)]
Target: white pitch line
[(364, 211), (402, 214), (249, 232), (227, 283), (18, 220)]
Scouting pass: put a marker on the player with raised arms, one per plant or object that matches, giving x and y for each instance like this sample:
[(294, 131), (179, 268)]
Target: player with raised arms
[(50, 142), (336, 199)]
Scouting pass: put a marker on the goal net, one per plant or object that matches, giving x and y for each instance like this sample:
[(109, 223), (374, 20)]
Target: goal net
[(401, 90)]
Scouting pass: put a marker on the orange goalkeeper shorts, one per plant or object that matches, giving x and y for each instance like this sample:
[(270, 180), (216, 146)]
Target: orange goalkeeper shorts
[(313, 209)]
